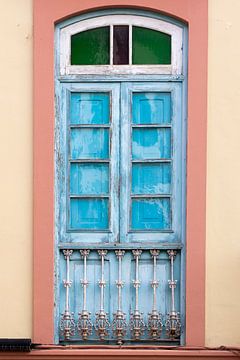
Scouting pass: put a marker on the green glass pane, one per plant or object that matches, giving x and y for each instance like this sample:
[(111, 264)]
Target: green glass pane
[(91, 47), (150, 47)]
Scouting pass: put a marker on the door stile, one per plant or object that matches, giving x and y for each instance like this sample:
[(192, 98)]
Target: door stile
[(125, 164)]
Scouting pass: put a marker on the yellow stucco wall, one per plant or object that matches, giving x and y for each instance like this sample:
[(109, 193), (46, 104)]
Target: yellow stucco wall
[(16, 168), (223, 180), (223, 190)]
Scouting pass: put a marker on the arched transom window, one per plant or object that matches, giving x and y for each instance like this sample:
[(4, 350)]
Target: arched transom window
[(121, 44)]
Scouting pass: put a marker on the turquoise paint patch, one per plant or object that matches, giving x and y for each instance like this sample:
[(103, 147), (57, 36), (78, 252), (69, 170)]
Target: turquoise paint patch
[(151, 178), (151, 108), (89, 179), (89, 143), (151, 143), (151, 214), (89, 214), (89, 108)]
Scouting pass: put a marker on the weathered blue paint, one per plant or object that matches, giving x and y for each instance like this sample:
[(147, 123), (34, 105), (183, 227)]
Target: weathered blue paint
[(148, 194), (89, 179), (89, 214), (153, 144), (151, 214), (151, 178), (88, 156), (151, 108), (89, 144), (150, 143), (155, 147), (89, 108)]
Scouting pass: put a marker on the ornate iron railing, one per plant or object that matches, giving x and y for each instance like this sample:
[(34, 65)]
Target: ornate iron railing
[(118, 326)]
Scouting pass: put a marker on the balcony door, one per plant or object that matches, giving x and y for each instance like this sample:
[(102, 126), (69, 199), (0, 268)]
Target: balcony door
[(120, 222)]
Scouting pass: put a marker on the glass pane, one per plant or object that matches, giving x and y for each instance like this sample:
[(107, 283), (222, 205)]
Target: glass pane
[(151, 108), (89, 214), (120, 45), (151, 178), (89, 144), (91, 47), (90, 179), (151, 214), (151, 143), (150, 46), (89, 108)]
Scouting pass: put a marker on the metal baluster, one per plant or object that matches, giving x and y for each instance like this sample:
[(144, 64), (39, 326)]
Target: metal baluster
[(84, 322), (173, 323), (119, 325), (67, 322), (102, 324), (155, 317), (137, 325)]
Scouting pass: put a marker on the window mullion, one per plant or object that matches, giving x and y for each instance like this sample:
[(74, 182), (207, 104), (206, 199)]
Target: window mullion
[(130, 44), (111, 44)]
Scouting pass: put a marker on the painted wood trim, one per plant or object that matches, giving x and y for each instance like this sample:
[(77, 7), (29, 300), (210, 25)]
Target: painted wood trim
[(175, 31), (196, 15)]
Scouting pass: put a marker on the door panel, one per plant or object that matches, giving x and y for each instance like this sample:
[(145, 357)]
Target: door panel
[(89, 214), (151, 108), (89, 179), (151, 214), (151, 178), (89, 144), (150, 144), (90, 108)]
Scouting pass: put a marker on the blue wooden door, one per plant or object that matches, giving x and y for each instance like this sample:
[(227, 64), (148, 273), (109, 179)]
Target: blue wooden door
[(120, 201)]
